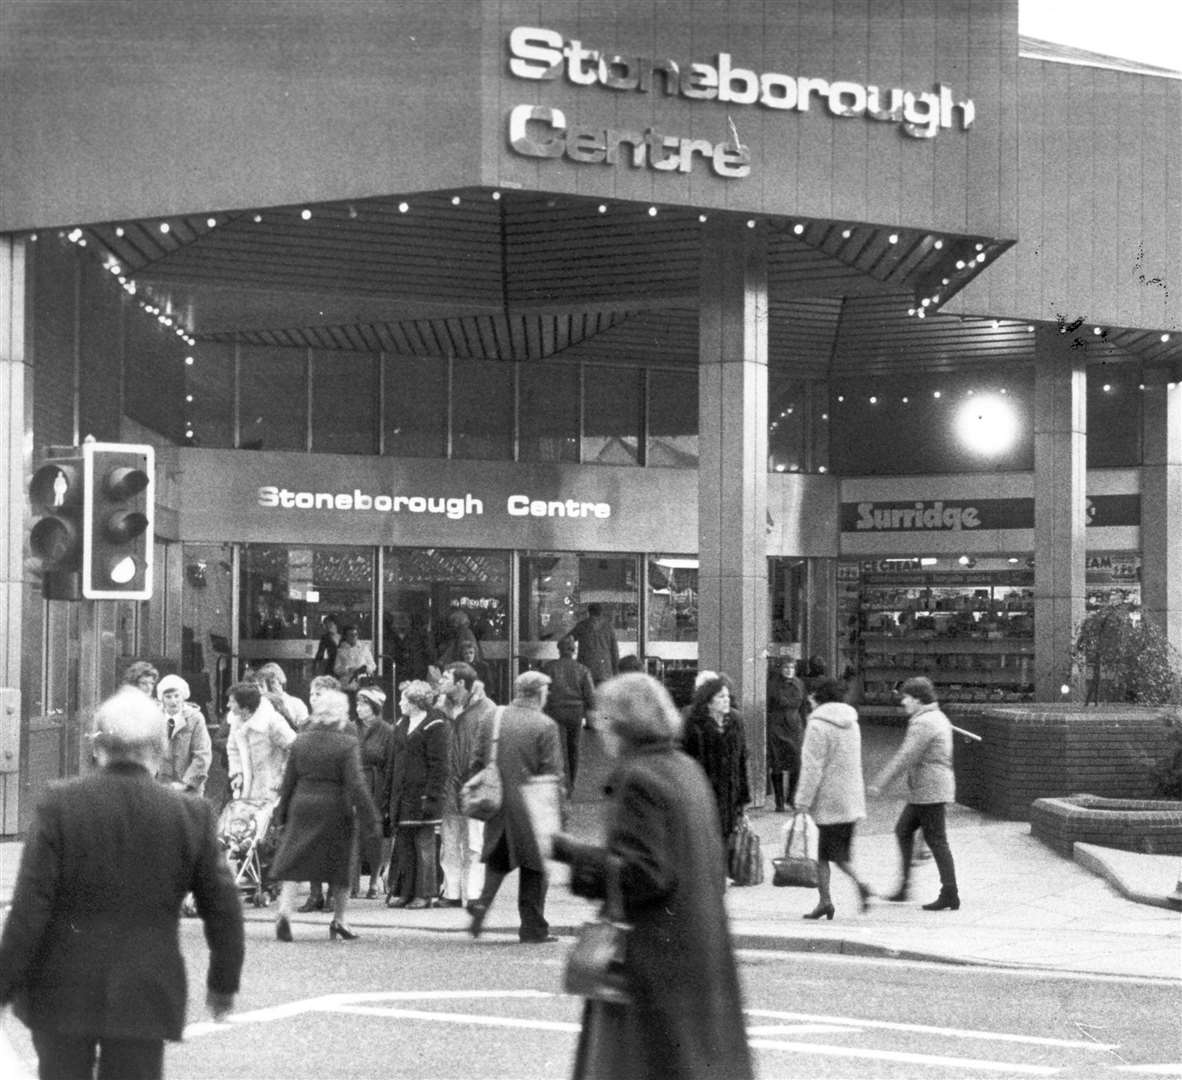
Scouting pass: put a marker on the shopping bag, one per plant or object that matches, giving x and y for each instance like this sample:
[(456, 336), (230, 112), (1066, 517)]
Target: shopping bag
[(744, 859), (798, 866), (596, 966), (482, 795)]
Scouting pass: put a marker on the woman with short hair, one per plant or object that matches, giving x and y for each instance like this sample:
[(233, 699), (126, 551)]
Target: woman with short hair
[(926, 759), (322, 793), (257, 745), (374, 735), (416, 777), (143, 676), (273, 680), (663, 848), (715, 739)]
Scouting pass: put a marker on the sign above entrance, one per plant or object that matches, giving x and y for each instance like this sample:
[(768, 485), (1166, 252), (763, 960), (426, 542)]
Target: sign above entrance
[(540, 131)]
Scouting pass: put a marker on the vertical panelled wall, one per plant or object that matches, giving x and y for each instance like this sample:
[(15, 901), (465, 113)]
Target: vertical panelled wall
[(810, 163), (1099, 202)]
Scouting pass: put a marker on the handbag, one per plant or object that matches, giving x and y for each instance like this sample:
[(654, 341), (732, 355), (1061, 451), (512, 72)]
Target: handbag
[(596, 965), (744, 860), (482, 795), (796, 868)]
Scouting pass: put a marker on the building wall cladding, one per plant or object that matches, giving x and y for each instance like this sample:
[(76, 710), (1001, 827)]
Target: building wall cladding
[(1047, 751), (1098, 202)]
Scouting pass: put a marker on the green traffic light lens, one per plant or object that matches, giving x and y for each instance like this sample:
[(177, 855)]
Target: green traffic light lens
[(123, 570)]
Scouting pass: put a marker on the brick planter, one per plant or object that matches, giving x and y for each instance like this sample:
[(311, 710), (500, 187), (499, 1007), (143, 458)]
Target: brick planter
[(1151, 826), (1041, 751)]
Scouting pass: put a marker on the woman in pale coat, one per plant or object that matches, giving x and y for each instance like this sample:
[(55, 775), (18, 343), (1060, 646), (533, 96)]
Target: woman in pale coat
[(830, 787), (258, 744), (926, 759)]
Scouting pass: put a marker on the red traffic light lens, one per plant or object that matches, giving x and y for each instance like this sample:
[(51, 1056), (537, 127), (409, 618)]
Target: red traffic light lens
[(125, 482)]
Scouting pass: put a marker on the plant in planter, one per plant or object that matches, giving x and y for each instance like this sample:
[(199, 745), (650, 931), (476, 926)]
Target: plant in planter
[(1124, 658)]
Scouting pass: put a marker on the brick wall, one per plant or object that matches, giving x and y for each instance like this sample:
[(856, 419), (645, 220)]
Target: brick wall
[(1044, 751)]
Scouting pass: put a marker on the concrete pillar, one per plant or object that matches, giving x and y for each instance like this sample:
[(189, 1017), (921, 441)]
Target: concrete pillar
[(732, 474), (1161, 503), (1060, 477), (15, 401)]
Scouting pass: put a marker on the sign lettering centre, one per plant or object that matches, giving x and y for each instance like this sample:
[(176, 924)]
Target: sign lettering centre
[(541, 54)]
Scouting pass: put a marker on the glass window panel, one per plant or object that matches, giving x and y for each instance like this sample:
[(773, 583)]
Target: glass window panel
[(482, 410), (154, 375), (548, 413), (672, 599), (344, 403), (672, 419), (206, 613), (273, 399), (210, 382), (415, 406), (556, 587), (1114, 417), (612, 412), (430, 595), (286, 592), (785, 422)]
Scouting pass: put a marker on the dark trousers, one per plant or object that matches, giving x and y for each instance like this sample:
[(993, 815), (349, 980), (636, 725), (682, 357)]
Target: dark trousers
[(930, 818), (72, 1057), (416, 862), (531, 892), (572, 732)]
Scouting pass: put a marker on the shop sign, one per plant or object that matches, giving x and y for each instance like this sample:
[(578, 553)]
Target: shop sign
[(1113, 510), (455, 507), (937, 515), (541, 54)]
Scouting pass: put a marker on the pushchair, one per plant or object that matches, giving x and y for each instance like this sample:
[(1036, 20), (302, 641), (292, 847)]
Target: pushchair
[(244, 831)]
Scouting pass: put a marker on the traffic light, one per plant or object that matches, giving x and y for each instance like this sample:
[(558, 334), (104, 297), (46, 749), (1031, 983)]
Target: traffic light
[(117, 510), (56, 494)]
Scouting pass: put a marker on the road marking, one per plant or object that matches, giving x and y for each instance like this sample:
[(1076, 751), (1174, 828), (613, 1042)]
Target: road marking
[(939, 1061), (1164, 1069), (924, 1029), (770, 1030), (458, 1018)]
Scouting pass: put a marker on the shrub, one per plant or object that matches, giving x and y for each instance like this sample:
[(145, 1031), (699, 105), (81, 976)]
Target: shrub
[(1125, 658)]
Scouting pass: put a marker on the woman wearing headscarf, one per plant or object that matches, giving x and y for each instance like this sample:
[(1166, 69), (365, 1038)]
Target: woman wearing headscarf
[(715, 739), (322, 793), (189, 754), (417, 775), (686, 1017), (375, 737)]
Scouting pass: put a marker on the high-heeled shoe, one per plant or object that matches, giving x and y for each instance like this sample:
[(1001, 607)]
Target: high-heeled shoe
[(340, 930), (283, 928), (821, 911), (865, 895)]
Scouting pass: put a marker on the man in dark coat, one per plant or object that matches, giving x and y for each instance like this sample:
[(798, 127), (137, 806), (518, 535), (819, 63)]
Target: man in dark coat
[(528, 746), (571, 697), (90, 952), (599, 651)]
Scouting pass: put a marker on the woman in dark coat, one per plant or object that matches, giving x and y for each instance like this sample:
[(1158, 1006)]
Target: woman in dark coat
[(715, 739), (322, 791), (375, 736), (786, 706), (416, 777), (686, 1017)]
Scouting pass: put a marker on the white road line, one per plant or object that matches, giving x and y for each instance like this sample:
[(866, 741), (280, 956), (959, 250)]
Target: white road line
[(934, 1060), (1164, 1069), (458, 1018), (924, 1029), (767, 1031)]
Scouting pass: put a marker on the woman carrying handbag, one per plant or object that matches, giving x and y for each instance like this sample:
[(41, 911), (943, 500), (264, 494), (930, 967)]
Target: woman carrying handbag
[(674, 1009), (830, 787)]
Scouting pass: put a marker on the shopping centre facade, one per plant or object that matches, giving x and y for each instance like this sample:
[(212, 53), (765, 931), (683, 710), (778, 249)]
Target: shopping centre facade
[(513, 308)]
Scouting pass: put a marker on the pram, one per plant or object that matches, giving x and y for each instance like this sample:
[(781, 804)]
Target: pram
[(244, 831)]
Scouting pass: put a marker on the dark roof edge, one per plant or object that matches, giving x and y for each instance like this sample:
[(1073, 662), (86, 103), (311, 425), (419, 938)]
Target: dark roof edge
[(1036, 49)]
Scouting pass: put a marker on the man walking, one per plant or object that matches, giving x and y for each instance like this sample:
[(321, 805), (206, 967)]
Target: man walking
[(90, 952), (528, 746), (469, 708), (570, 699), (599, 651)]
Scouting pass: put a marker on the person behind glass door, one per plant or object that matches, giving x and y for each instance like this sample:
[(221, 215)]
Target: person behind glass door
[(354, 661), (925, 759), (599, 651), (326, 650), (571, 698)]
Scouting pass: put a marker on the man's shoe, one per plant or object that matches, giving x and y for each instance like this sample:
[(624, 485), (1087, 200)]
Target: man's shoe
[(418, 902), (948, 900), (397, 901), (478, 911), (445, 902)]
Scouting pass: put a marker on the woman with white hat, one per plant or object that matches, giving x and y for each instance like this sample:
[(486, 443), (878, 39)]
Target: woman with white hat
[(186, 761)]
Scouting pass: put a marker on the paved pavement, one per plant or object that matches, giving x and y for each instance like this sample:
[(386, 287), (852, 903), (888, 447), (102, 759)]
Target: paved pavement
[(1023, 905)]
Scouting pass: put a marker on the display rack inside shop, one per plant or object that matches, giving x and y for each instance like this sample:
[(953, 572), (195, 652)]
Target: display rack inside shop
[(971, 633)]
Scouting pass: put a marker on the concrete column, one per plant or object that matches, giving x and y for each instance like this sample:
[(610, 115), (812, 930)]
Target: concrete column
[(1060, 476), (15, 400), (732, 474), (1161, 504)]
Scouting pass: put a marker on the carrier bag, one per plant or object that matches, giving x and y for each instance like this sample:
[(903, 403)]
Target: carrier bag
[(797, 868), (482, 795), (744, 860)]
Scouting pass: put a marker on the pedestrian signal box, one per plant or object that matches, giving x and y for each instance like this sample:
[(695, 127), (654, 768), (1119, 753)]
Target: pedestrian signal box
[(119, 496), (55, 540)]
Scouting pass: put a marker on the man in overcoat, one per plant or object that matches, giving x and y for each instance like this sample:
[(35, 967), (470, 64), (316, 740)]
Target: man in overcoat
[(528, 746), (90, 953)]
